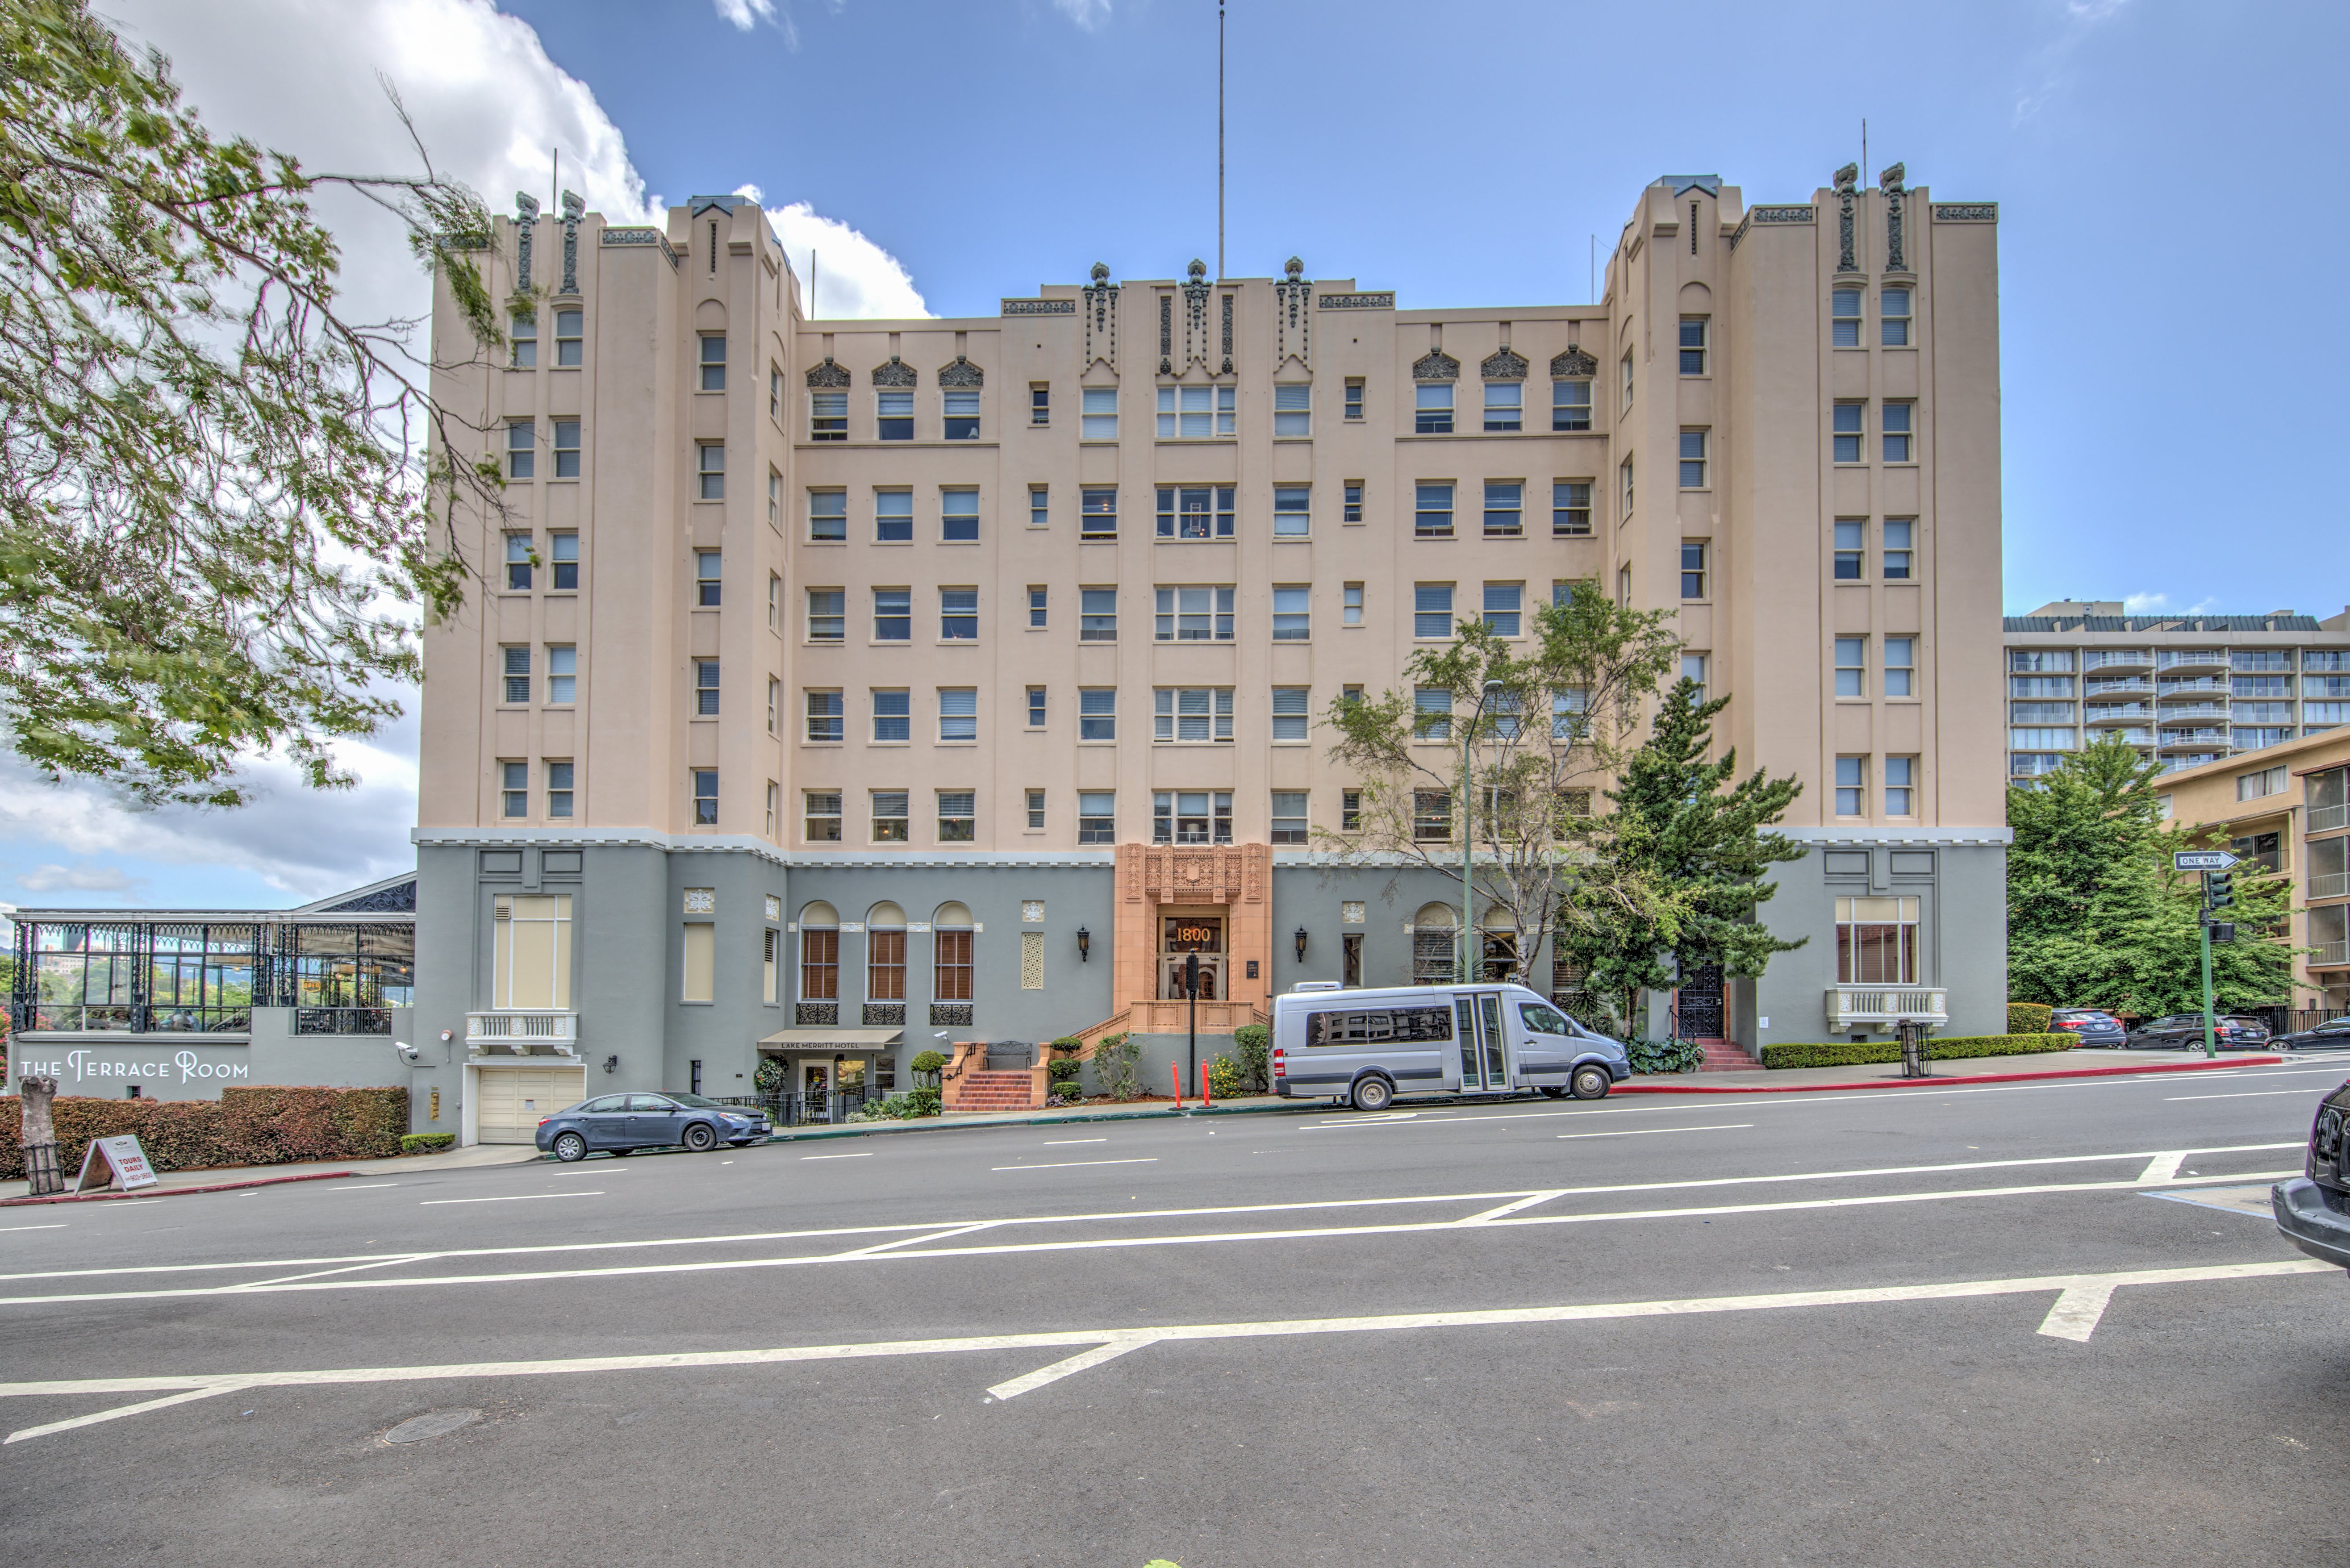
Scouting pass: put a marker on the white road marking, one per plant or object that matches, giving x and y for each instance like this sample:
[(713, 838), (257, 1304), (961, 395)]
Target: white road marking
[(363, 1187), (2251, 1200), (1644, 1132), (1119, 1340), (2163, 1167), (1067, 1164), (2242, 1094), (2079, 1307), (1057, 1142), (862, 1154), (511, 1198), (58, 1226)]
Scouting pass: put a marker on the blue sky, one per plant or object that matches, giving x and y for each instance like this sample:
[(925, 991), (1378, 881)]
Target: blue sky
[(2170, 240)]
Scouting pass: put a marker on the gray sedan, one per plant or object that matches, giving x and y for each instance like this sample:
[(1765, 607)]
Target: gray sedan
[(619, 1122)]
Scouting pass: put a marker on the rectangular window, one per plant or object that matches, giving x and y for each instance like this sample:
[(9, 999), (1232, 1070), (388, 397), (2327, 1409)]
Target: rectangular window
[(1195, 511), (827, 615), (1291, 719), (2334, 659), (1694, 671), (1852, 667), (558, 789), (1843, 317), (705, 688), (710, 470), (1097, 514), (774, 396), (820, 964), (828, 416), (1900, 783), (1097, 713), (1192, 817), (891, 824), (893, 709), (1192, 714), (1505, 406), (700, 968), (1852, 786), (714, 362), (828, 516), (1693, 459), (521, 342), (1194, 615), (959, 413), (774, 807), (1097, 615), (1353, 492), (1624, 489), (519, 555), (1431, 816), (958, 714), (1040, 403), (1099, 419), (522, 448), (1693, 568), (825, 718), (1693, 345), (562, 674), (958, 816), (2265, 782), (1195, 413), (1570, 405), (1897, 418), (1040, 506), (1849, 430), (1289, 824), (894, 516), (1900, 666), (1037, 707), (706, 797), (1037, 599), (1096, 816), (1893, 317), (768, 990), (1431, 713), (1354, 397), (517, 674), (513, 779), (1293, 410), (774, 706), (1292, 511), (776, 603), (1432, 511), (957, 615), (1624, 584), (1505, 509), (893, 614), (1035, 811), (1432, 610), (1293, 613), (1505, 606), (1627, 388), (1877, 942), (563, 550), (1350, 810), (1566, 714), (1851, 548), (775, 501), (708, 567), (893, 416), (1432, 404), (1350, 611), (1570, 508), (566, 449), (820, 816)]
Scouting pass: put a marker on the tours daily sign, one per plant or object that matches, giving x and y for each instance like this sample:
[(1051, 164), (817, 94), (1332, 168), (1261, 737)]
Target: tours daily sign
[(115, 1158)]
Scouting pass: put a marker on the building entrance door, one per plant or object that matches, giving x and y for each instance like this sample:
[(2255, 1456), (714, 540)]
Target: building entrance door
[(1181, 935), (1700, 1003)]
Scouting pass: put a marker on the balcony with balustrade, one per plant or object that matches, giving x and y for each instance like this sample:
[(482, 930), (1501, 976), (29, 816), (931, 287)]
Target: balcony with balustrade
[(2192, 658), (2191, 713), (2117, 658), (1881, 1007), (523, 1032), (2120, 712), (2120, 686), (2213, 741)]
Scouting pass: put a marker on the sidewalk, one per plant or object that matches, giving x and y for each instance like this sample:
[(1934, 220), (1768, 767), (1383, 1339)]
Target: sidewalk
[(2024, 1068), (269, 1175)]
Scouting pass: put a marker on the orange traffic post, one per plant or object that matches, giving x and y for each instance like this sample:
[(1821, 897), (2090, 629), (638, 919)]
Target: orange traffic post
[(1205, 1098), (1175, 1074)]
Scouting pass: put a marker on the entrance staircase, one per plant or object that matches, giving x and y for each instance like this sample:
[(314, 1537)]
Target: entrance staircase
[(1725, 1056), (997, 1091)]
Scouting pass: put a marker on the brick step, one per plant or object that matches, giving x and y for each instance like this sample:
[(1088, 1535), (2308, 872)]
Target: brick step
[(1726, 1056)]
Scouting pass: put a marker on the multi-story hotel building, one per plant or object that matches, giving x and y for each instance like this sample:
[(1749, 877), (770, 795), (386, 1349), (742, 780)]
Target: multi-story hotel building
[(2189, 690), (838, 689)]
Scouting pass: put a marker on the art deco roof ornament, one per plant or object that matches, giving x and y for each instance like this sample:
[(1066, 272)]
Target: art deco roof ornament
[(1503, 363), (895, 373), (1572, 365), (1292, 269), (1435, 364), (525, 230), (1889, 181), (828, 374), (961, 373), (1846, 179), (1292, 317), (1100, 301)]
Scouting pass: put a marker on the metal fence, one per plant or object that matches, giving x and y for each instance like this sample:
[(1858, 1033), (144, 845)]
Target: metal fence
[(2294, 1020), (801, 1109)]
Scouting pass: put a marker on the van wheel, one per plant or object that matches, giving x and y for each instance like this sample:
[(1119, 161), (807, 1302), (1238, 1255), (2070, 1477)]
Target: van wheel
[(1551, 1092), (1591, 1082), (701, 1138), (1373, 1094)]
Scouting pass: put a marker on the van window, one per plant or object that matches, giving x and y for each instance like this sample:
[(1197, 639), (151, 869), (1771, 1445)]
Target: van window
[(1397, 1026), (1545, 1020)]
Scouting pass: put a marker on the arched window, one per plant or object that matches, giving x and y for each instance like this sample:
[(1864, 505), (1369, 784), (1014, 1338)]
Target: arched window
[(951, 942), (1432, 944), (1500, 933), (819, 953), (885, 953)]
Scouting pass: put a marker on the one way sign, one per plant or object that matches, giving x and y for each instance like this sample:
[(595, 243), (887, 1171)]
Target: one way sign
[(2202, 859)]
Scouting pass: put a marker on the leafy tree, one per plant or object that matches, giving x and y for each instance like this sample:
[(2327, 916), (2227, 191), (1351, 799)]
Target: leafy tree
[(1683, 827), (217, 512)]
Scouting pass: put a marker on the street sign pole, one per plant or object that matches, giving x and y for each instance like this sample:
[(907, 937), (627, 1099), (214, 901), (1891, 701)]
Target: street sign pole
[(2205, 862), (2203, 920)]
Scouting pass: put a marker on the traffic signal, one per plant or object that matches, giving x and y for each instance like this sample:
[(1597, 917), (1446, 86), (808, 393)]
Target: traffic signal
[(2217, 893)]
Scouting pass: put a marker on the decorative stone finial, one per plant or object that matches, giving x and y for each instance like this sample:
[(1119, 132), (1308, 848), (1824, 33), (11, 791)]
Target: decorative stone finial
[(574, 206), (1889, 180), (1101, 272), (525, 207), (1294, 269), (1198, 268), (1846, 178)]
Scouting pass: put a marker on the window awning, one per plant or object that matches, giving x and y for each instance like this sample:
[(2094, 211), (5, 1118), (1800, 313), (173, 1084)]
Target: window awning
[(832, 1037)]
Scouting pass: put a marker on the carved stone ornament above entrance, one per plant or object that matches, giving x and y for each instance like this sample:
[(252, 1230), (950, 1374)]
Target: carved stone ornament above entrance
[(895, 373), (961, 373), (1572, 363), (1503, 364), (1435, 364), (828, 374)]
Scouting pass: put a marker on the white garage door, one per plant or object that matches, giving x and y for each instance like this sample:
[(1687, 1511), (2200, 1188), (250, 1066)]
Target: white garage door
[(514, 1099)]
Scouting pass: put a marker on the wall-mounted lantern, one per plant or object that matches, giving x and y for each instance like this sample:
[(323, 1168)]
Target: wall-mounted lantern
[(1301, 944), (1085, 944)]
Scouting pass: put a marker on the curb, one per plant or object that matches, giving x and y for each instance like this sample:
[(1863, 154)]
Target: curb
[(1951, 1082), (1051, 1118), (176, 1191)]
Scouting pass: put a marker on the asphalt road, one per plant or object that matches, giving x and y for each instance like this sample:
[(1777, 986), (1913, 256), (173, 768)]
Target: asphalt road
[(2028, 1324)]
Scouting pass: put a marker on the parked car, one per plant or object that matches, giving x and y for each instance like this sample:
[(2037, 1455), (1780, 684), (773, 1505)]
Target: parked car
[(2249, 1031), (2089, 1025), (2182, 1030), (622, 1122), (2334, 1035), (2312, 1210)]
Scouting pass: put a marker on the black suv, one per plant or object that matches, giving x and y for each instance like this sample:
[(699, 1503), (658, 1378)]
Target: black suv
[(2089, 1025), (2312, 1212), (2184, 1031)]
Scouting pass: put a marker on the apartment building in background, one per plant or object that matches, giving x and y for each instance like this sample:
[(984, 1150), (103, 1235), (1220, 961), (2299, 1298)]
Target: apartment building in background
[(841, 689), (2189, 690)]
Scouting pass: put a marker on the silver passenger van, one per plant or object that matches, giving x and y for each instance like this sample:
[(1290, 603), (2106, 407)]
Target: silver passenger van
[(1365, 1047)]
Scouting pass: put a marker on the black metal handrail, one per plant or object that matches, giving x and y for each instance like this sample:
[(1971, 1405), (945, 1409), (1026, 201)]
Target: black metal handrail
[(803, 1109)]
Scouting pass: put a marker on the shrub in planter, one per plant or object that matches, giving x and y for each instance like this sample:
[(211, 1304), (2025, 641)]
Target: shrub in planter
[(1061, 1068), (425, 1142), (1665, 1056), (2028, 1017), (770, 1076), (1118, 1067), (1252, 1056), (920, 1102), (1852, 1054), (1226, 1078)]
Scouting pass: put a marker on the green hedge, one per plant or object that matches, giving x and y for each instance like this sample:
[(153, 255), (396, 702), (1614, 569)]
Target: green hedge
[(2029, 1017), (1854, 1054), (251, 1125)]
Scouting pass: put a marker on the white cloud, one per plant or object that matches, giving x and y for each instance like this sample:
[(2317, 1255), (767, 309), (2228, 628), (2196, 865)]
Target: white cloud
[(854, 278), (1090, 15), (80, 878), (745, 13), (2145, 603)]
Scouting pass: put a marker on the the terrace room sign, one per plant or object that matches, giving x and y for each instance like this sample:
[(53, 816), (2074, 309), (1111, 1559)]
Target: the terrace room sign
[(86, 1065)]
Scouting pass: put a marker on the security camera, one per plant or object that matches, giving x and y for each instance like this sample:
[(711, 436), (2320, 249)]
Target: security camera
[(407, 1053)]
